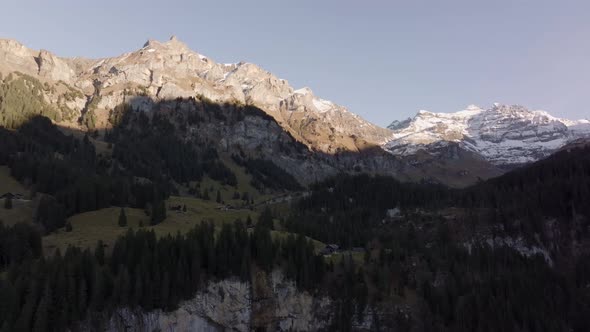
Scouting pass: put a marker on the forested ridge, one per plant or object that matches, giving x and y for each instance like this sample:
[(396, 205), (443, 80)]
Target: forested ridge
[(69, 170)]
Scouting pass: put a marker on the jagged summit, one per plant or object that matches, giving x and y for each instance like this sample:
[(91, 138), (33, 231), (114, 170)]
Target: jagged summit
[(502, 134), (170, 69), (172, 44)]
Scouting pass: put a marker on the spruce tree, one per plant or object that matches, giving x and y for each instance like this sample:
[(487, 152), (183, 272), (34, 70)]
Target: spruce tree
[(41, 318), (122, 218), (8, 202), (99, 252), (266, 219), (159, 212)]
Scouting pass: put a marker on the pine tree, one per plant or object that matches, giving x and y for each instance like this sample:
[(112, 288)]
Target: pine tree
[(99, 252), (8, 202), (266, 219), (158, 212), (41, 319), (122, 218), (245, 196)]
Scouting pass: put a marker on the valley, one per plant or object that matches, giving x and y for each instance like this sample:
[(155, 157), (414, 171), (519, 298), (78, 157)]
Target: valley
[(160, 190)]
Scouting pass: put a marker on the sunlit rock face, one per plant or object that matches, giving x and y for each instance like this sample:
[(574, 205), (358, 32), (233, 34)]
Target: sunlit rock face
[(168, 70)]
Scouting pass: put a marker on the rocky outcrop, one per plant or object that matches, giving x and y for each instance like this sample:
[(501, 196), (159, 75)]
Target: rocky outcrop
[(271, 304), (53, 68)]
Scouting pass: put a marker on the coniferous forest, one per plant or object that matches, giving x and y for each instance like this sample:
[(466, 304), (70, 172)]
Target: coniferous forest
[(411, 257)]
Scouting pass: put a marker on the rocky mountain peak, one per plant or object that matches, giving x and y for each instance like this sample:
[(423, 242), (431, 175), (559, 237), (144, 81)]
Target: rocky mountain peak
[(44, 64), (399, 124), (13, 47), (172, 45), (170, 69)]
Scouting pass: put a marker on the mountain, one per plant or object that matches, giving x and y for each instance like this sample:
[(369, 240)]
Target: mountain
[(503, 135), (168, 70), (87, 94), (456, 149)]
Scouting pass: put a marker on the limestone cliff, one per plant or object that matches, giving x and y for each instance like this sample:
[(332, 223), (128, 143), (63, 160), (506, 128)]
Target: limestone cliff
[(271, 304)]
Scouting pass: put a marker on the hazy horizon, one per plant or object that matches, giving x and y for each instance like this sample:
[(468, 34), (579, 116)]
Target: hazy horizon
[(384, 61)]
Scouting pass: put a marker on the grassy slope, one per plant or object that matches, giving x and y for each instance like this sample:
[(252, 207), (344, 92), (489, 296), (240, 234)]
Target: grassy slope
[(89, 227), (22, 211), (226, 191), (9, 184)]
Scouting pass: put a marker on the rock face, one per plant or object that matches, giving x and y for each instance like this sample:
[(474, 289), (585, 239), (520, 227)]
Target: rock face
[(258, 136), (168, 70), (274, 304), (503, 135)]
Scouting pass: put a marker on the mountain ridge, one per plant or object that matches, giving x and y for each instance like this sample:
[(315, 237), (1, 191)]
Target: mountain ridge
[(434, 147), (504, 135), (170, 69)]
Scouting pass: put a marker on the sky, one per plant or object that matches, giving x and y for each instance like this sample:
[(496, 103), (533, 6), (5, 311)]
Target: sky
[(383, 60)]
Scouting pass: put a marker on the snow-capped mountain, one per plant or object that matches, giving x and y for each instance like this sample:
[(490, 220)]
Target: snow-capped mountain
[(504, 135)]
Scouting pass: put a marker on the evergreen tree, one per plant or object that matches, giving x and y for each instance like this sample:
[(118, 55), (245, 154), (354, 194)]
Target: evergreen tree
[(122, 218), (99, 252), (266, 218), (41, 319), (158, 212), (8, 202)]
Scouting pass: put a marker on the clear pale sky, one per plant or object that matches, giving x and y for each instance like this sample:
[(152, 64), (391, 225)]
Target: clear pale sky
[(384, 60)]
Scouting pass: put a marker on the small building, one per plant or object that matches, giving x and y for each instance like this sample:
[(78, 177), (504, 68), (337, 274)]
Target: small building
[(11, 196), (329, 249)]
